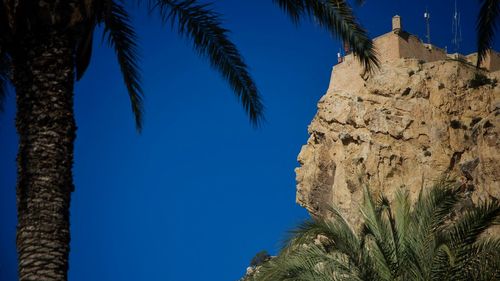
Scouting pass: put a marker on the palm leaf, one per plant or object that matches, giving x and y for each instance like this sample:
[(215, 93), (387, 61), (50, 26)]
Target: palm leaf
[(473, 223), (203, 26), (489, 14), (410, 265), (341, 242), (480, 261), (93, 13), (84, 50), (123, 39), (380, 234), (443, 260), (430, 214), (434, 207), (337, 17), (401, 221), (294, 8), (341, 238), (343, 234), (434, 240), (308, 263)]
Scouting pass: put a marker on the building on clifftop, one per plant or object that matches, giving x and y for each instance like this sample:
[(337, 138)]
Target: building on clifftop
[(398, 44)]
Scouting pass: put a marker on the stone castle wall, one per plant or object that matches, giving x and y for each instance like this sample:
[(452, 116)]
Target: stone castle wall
[(490, 62), (398, 44), (392, 46)]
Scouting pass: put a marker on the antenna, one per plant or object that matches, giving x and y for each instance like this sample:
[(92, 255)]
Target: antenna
[(427, 17), (456, 29)]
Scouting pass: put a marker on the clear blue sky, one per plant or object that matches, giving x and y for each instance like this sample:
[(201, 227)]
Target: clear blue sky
[(200, 191)]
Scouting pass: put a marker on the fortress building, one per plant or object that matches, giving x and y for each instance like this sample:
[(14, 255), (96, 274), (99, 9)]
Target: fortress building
[(398, 44)]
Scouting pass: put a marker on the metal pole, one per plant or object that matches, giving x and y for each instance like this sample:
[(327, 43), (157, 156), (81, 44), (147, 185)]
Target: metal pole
[(427, 17)]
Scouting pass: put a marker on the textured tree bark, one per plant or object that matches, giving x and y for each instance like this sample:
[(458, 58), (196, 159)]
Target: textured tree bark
[(43, 77)]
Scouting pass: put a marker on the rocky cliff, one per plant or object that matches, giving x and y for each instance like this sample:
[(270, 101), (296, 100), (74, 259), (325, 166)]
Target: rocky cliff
[(402, 127)]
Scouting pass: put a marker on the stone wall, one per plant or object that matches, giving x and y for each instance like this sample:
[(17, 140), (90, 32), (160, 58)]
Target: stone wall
[(491, 61), (398, 44), (387, 47), (395, 45)]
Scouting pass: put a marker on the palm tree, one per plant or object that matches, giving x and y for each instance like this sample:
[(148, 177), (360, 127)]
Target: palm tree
[(440, 238), (45, 45), (487, 21)]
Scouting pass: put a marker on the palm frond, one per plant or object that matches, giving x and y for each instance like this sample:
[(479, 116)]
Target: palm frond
[(379, 229), (434, 240), (343, 234), (339, 240), (473, 223), (402, 209), (410, 262), (84, 50), (434, 207), (284, 267), (337, 17), (480, 261), (487, 21), (308, 263), (304, 233), (341, 237), (203, 26), (294, 8), (123, 39), (443, 260), (430, 214)]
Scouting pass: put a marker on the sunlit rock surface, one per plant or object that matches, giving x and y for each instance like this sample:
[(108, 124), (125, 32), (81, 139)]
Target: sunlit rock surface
[(402, 127)]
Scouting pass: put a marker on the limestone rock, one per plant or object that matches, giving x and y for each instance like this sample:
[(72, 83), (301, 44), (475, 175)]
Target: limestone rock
[(402, 127)]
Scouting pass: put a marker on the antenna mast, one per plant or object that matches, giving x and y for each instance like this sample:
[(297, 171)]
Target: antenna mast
[(427, 17), (456, 29)]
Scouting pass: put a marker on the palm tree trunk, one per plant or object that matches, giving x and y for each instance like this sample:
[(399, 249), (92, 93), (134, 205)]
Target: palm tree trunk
[(43, 77)]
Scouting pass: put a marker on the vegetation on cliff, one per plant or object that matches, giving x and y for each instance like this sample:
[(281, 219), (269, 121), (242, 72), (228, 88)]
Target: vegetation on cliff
[(441, 237)]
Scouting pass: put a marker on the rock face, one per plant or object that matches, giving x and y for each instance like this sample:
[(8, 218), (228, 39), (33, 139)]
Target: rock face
[(402, 127)]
